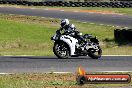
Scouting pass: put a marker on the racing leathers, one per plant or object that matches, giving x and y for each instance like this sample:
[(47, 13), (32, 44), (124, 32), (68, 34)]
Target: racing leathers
[(71, 31)]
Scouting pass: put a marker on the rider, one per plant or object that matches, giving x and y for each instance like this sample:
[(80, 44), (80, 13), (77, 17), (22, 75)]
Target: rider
[(69, 29)]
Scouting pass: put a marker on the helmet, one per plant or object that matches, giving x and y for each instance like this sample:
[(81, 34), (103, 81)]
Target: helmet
[(72, 26), (64, 22)]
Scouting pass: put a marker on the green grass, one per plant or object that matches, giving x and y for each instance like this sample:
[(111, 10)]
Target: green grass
[(49, 80), (25, 38), (25, 35)]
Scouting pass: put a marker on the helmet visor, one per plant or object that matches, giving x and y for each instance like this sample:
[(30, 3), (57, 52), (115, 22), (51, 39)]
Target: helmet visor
[(63, 24)]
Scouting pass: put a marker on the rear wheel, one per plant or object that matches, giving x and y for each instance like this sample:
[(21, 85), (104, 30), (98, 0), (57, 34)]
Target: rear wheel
[(61, 50)]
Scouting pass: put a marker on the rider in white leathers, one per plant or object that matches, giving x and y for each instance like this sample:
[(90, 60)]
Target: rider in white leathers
[(66, 26), (69, 29)]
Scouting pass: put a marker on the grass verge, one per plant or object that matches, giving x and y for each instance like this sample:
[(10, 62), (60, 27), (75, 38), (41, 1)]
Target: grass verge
[(51, 80), (26, 35)]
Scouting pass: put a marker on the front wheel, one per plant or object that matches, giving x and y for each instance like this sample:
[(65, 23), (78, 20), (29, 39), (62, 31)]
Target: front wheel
[(61, 50), (95, 54)]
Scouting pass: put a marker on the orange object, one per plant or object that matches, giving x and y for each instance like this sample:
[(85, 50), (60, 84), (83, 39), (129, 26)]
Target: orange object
[(81, 71)]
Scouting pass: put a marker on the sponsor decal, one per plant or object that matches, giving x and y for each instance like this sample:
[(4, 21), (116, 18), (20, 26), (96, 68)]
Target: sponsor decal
[(83, 78)]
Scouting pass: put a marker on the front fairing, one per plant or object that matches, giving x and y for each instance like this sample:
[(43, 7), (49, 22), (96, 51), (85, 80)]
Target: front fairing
[(95, 40), (56, 36)]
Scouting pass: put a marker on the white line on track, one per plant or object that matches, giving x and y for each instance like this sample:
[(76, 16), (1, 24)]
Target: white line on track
[(69, 72), (51, 18), (101, 24), (59, 72), (87, 71), (5, 73), (113, 71), (19, 55), (84, 22), (91, 12), (120, 14), (117, 55), (42, 17), (46, 9), (11, 14), (103, 13), (33, 8), (62, 10), (126, 27), (92, 23), (15, 14), (109, 25), (76, 11), (117, 26), (17, 7), (102, 55)]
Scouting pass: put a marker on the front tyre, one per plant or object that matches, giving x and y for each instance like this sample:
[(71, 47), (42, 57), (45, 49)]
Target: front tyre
[(61, 50), (95, 54)]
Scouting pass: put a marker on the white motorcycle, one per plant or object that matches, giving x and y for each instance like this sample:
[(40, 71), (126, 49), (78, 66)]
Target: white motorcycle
[(75, 44)]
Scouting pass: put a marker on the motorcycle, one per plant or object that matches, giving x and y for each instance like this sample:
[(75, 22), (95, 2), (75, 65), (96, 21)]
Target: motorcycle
[(66, 46)]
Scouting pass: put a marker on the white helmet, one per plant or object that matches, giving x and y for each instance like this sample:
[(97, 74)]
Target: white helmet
[(72, 26), (64, 22)]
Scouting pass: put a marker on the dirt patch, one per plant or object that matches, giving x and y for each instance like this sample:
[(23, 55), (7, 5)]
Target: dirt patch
[(97, 11), (27, 19), (86, 11)]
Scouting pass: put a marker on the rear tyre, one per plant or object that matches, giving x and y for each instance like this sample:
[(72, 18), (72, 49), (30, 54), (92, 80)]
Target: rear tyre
[(61, 50)]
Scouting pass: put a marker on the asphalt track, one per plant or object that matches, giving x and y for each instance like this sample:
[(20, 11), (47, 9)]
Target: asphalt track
[(116, 20), (16, 64), (20, 64)]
